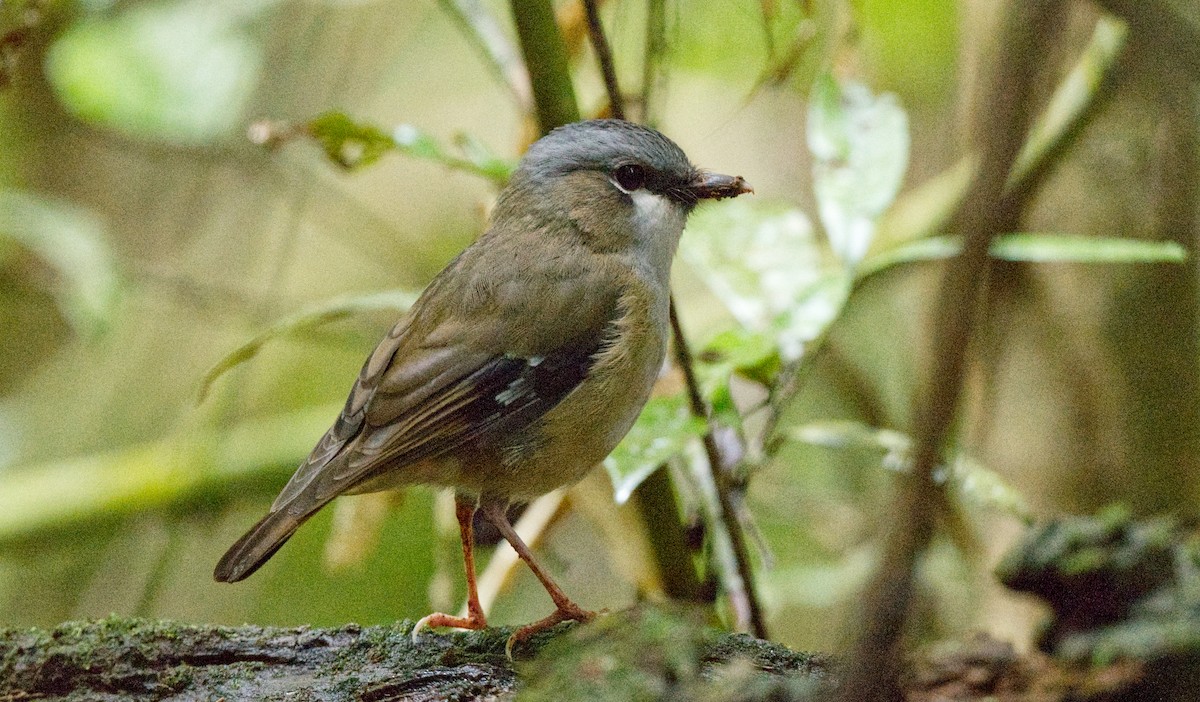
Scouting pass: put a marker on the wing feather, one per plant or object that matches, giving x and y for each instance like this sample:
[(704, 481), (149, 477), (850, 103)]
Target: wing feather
[(447, 374), (505, 394)]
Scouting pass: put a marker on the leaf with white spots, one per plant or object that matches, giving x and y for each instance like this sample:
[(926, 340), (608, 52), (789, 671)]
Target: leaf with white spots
[(763, 260), (662, 431), (859, 144)]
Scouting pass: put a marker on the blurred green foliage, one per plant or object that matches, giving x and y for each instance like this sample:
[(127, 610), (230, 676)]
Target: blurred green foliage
[(148, 249), (73, 243), (180, 72)]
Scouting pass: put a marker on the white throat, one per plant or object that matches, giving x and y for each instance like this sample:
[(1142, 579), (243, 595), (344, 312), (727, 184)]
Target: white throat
[(658, 222)]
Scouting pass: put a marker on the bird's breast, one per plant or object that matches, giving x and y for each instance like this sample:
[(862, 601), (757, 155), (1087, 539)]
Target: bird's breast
[(584, 428)]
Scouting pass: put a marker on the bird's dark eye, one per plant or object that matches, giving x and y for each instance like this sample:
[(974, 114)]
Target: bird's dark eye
[(630, 177)]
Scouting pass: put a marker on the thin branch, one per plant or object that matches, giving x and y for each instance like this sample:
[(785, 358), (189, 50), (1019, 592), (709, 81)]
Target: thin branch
[(745, 601), (873, 662), (616, 104)]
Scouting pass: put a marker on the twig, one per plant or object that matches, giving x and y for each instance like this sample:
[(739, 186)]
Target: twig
[(746, 607), (744, 599), (616, 104), (873, 661)]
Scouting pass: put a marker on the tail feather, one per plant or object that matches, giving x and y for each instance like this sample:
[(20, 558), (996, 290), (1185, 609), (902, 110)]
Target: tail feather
[(257, 545)]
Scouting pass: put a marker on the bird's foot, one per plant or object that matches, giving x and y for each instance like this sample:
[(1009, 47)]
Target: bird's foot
[(437, 619), (565, 613)]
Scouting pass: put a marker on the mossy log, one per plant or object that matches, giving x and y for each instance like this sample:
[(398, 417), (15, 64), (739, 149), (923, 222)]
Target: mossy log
[(132, 659), (647, 653)]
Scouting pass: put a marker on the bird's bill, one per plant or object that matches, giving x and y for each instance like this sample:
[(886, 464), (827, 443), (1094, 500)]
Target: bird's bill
[(715, 186)]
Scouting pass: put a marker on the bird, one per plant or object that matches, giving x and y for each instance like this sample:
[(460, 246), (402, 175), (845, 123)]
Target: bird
[(525, 361)]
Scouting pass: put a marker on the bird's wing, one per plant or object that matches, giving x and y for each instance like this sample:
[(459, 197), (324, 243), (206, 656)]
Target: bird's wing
[(470, 399), (416, 400), (352, 418), (501, 395)]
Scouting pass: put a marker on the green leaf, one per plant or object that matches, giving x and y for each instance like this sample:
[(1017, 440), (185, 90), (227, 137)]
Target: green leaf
[(306, 320), (757, 257), (482, 160), (812, 313), (1066, 248), (1073, 97), (973, 483), (180, 72), (929, 248), (849, 434), (353, 144), (1033, 248), (751, 354), (738, 351), (73, 242), (764, 262), (859, 143), (967, 479), (661, 432)]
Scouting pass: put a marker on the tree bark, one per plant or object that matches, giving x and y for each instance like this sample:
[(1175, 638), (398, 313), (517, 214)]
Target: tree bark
[(133, 659)]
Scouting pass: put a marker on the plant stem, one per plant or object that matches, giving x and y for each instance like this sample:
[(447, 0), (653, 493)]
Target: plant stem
[(872, 674), (744, 599), (656, 46), (546, 59), (748, 611), (488, 37), (659, 510), (616, 104)]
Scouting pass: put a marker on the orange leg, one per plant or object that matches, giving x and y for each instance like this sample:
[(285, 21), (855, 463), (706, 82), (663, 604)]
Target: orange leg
[(566, 610), (464, 510)]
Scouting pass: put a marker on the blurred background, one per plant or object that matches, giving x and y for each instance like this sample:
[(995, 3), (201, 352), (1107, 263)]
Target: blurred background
[(144, 237)]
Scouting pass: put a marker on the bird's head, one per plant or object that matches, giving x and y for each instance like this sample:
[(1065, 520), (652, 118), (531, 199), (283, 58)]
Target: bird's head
[(624, 187)]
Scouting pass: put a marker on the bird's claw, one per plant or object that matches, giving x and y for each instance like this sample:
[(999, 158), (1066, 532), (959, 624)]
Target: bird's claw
[(572, 612), (437, 619)]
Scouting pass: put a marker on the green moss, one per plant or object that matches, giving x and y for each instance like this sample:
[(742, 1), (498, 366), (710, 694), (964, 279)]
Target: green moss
[(653, 653), (1121, 589), (148, 660)]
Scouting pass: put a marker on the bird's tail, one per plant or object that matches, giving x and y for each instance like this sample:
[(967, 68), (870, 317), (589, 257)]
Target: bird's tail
[(257, 545)]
